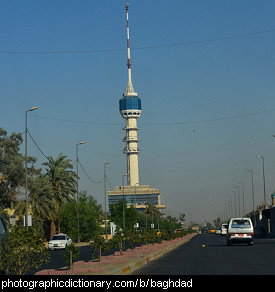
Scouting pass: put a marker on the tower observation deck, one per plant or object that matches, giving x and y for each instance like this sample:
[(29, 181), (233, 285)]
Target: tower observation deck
[(130, 110)]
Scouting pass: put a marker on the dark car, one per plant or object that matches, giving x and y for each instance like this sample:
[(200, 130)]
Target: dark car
[(204, 229), (3, 233), (3, 228)]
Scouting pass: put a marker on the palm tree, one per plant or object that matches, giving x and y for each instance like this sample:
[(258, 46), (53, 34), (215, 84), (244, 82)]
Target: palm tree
[(151, 209), (39, 201), (62, 184)]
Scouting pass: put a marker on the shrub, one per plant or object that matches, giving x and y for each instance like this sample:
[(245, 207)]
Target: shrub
[(98, 244), (72, 254), (22, 250)]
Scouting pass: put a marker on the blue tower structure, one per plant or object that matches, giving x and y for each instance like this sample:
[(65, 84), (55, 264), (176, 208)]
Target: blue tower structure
[(130, 105)]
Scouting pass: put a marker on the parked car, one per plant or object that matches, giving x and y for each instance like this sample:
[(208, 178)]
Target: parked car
[(3, 233), (224, 229), (240, 230), (3, 228), (59, 241)]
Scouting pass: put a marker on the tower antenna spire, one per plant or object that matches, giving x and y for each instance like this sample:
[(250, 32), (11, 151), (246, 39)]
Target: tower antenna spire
[(129, 84)]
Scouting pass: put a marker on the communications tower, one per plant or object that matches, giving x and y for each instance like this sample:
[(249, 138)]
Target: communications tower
[(130, 110), (132, 194)]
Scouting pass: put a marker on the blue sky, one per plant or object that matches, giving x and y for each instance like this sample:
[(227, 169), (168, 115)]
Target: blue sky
[(204, 71)]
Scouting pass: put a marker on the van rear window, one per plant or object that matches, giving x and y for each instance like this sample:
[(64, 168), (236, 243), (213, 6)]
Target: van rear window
[(240, 224)]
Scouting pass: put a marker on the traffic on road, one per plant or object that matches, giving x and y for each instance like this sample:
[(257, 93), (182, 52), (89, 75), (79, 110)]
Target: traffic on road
[(209, 254)]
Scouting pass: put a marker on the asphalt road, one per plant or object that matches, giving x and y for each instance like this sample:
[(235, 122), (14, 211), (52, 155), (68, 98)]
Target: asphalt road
[(57, 259), (208, 254)]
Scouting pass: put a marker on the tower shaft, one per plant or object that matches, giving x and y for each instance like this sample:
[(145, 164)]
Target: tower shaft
[(131, 150)]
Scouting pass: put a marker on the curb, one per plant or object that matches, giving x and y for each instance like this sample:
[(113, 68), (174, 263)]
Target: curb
[(143, 260)]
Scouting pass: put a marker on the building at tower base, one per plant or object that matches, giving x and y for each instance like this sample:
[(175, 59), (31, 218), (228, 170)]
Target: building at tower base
[(138, 196)]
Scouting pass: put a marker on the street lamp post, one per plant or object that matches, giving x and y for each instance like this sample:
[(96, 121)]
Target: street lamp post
[(238, 199), (77, 194), (243, 195), (260, 156), (235, 204), (252, 187), (26, 166), (106, 235), (231, 211), (123, 207)]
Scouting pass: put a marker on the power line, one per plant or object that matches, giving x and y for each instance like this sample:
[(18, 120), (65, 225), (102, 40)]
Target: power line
[(108, 182), (199, 169), (75, 121), (211, 120), (207, 152), (73, 163), (92, 179), (208, 40), (145, 47), (162, 124), (88, 176), (37, 145)]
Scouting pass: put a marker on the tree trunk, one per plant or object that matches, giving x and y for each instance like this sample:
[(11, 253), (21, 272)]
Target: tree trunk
[(19, 271), (53, 229), (120, 248), (71, 259), (58, 226), (99, 256)]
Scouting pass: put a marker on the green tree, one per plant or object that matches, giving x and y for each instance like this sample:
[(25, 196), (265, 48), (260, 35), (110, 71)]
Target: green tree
[(131, 215), (12, 168), (39, 199), (152, 211), (182, 217), (22, 250), (217, 222), (169, 224), (71, 255), (119, 239), (62, 184), (209, 225), (132, 237), (90, 218), (98, 244)]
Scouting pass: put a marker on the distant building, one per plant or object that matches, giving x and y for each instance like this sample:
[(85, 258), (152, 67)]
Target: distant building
[(137, 196)]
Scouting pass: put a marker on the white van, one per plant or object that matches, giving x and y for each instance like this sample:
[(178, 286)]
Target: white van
[(224, 229), (240, 230)]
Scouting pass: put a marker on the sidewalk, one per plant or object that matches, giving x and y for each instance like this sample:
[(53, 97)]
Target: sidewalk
[(117, 264)]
